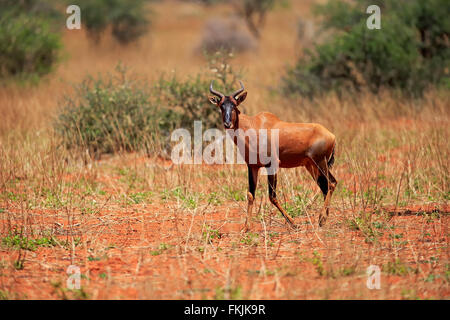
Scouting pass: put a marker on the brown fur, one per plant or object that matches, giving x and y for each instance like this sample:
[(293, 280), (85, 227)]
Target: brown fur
[(300, 144)]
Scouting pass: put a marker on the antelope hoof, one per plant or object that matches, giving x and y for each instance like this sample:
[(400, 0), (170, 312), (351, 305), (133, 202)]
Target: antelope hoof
[(292, 224), (246, 228), (322, 220)]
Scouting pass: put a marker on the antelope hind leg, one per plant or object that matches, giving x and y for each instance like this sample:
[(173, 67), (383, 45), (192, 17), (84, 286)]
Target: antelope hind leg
[(272, 182), (327, 186), (331, 186)]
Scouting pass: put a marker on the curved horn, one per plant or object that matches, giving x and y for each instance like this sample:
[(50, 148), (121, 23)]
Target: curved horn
[(214, 92), (238, 91)]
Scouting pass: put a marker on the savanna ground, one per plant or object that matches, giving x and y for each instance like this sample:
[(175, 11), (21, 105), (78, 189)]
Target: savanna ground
[(139, 227)]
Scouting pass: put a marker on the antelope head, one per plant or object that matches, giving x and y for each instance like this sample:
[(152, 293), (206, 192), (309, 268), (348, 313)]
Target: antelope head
[(228, 105)]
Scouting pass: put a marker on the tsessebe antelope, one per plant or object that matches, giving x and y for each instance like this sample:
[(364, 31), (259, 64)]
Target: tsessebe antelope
[(300, 144)]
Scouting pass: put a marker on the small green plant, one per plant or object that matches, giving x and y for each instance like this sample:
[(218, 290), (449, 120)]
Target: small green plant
[(235, 194), (53, 200), (228, 293), (19, 264), (66, 294), (368, 229), (347, 271), (316, 260), (214, 199), (91, 258), (140, 197), (161, 248), (409, 294), (4, 295), (250, 239), (191, 202), (297, 208), (17, 240), (210, 234), (431, 277), (397, 267)]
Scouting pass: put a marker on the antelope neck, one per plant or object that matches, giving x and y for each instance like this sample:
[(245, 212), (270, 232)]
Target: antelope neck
[(242, 122)]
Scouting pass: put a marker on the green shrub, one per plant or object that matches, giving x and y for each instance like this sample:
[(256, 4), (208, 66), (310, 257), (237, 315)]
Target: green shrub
[(408, 53), (117, 113), (128, 20), (110, 114), (28, 46), (48, 9), (189, 97)]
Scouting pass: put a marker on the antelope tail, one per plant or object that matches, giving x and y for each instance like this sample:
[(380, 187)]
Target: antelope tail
[(331, 160)]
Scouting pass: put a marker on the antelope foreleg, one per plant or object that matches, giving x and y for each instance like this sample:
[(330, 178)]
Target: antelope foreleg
[(252, 182)]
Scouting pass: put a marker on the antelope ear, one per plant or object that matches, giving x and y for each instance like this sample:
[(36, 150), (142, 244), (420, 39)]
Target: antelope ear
[(214, 100), (241, 98)]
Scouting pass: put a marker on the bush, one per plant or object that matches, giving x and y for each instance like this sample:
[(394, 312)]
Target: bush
[(189, 98), (109, 114), (407, 54), (48, 9), (128, 20), (116, 113), (28, 46)]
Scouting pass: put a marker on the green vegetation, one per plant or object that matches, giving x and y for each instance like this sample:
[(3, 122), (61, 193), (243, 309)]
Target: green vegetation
[(398, 267), (109, 114), (316, 260), (161, 248), (228, 293), (19, 241), (4, 295), (369, 229), (188, 98), (119, 112), (409, 53), (29, 46), (250, 239), (209, 234), (298, 207), (65, 294), (127, 20)]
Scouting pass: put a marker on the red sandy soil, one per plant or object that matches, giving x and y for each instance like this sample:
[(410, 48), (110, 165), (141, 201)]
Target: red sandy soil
[(120, 256)]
